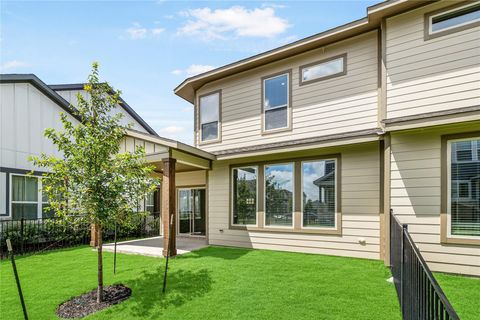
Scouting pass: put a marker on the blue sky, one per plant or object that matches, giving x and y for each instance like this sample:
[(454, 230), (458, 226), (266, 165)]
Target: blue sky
[(146, 49)]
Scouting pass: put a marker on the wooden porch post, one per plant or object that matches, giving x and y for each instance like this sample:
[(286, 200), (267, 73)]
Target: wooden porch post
[(169, 205)]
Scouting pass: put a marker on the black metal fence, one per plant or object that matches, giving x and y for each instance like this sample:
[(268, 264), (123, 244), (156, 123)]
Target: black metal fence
[(34, 235), (419, 293)]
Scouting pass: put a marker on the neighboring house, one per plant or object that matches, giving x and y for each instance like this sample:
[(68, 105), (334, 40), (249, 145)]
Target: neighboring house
[(390, 102), (28, 106)]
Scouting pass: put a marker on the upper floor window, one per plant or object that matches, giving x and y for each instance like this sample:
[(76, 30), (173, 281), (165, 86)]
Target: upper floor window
[(464, 188), (210, 116), (323, 70), (276, 102), (457, 18)]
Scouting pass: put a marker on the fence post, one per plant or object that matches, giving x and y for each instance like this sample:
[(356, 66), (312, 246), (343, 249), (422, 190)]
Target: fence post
[(402, 267), (21, 234)]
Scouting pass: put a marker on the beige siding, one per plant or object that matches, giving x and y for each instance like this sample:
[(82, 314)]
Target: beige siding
[(437, 74), (192, 178), (71, 96), (415, 197), (25, 113), (360, 209), (337, 105), (128, 144)]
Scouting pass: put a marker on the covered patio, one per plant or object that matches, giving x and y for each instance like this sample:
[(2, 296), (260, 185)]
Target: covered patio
[(181, 168)]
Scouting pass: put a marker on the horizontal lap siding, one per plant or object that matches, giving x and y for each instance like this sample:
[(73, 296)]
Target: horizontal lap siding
[(426, 76), (337, 105), (360, 211), (416, 196)]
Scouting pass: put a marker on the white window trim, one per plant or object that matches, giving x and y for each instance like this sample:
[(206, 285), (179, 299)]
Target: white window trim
[(265, 196), (475, 146), (449, 190), (256, 198), (39, 201), (458, 182), (287, 105), (430, 19), (335, 196), (200, 129)]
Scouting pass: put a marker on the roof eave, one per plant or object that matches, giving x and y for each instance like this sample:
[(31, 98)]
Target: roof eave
[(375, 13)]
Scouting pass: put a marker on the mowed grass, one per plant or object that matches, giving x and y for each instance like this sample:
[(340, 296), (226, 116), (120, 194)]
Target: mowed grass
[(211, 283), (463, 293)]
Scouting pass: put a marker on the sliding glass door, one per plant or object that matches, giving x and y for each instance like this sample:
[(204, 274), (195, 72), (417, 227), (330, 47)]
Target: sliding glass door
[(191, 211)]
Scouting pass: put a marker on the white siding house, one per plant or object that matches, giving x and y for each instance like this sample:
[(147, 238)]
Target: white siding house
[(27, 107)]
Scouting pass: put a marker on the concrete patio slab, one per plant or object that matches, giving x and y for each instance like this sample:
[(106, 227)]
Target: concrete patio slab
[(154, 246)]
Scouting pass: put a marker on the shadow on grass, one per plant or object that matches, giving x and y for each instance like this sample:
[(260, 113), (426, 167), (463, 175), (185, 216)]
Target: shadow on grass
[(217, 252), (182, 286)]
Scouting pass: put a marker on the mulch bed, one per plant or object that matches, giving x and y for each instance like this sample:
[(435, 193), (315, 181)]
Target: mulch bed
[(86, 304)]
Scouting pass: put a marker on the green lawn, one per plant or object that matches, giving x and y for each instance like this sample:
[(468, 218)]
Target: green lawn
[(463, 293), (212, 283)]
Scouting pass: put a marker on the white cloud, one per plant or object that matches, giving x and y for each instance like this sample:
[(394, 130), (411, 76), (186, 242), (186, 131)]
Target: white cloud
[(237, 21), (273, 5), (137, 32), (187, 109), (157, 31), (14, 64), (172, 130), (193, 70)]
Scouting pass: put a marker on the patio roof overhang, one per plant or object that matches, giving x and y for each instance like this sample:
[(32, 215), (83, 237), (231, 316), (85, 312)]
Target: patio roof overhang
[(187, 158)]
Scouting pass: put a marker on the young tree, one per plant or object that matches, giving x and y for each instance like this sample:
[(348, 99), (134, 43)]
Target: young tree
[(93, 183)]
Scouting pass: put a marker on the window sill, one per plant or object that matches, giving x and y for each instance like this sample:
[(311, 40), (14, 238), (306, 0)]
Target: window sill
[(273, 131), (462, 241)]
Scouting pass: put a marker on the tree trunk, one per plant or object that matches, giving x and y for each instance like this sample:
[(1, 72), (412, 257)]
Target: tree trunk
[(100, 265)]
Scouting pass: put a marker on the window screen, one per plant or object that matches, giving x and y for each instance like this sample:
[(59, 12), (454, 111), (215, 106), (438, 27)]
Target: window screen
[(209, 116), (275, 102)]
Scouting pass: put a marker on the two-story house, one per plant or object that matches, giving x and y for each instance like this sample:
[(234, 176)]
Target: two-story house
[(317, 140), (307, 147)]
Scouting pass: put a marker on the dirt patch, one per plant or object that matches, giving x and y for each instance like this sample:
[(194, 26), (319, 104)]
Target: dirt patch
[(86, 304)]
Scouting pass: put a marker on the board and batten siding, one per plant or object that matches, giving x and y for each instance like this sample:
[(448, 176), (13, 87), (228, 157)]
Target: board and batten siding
[(360, 192), (337, 105), (71, 96), (430, 75), (416, 196), (25, 113)]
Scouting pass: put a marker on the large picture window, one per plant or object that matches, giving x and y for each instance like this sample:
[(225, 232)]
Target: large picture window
[(210, 117), (464, 187), (276, 95), (279, 195), (318, 194), (244, 202)]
